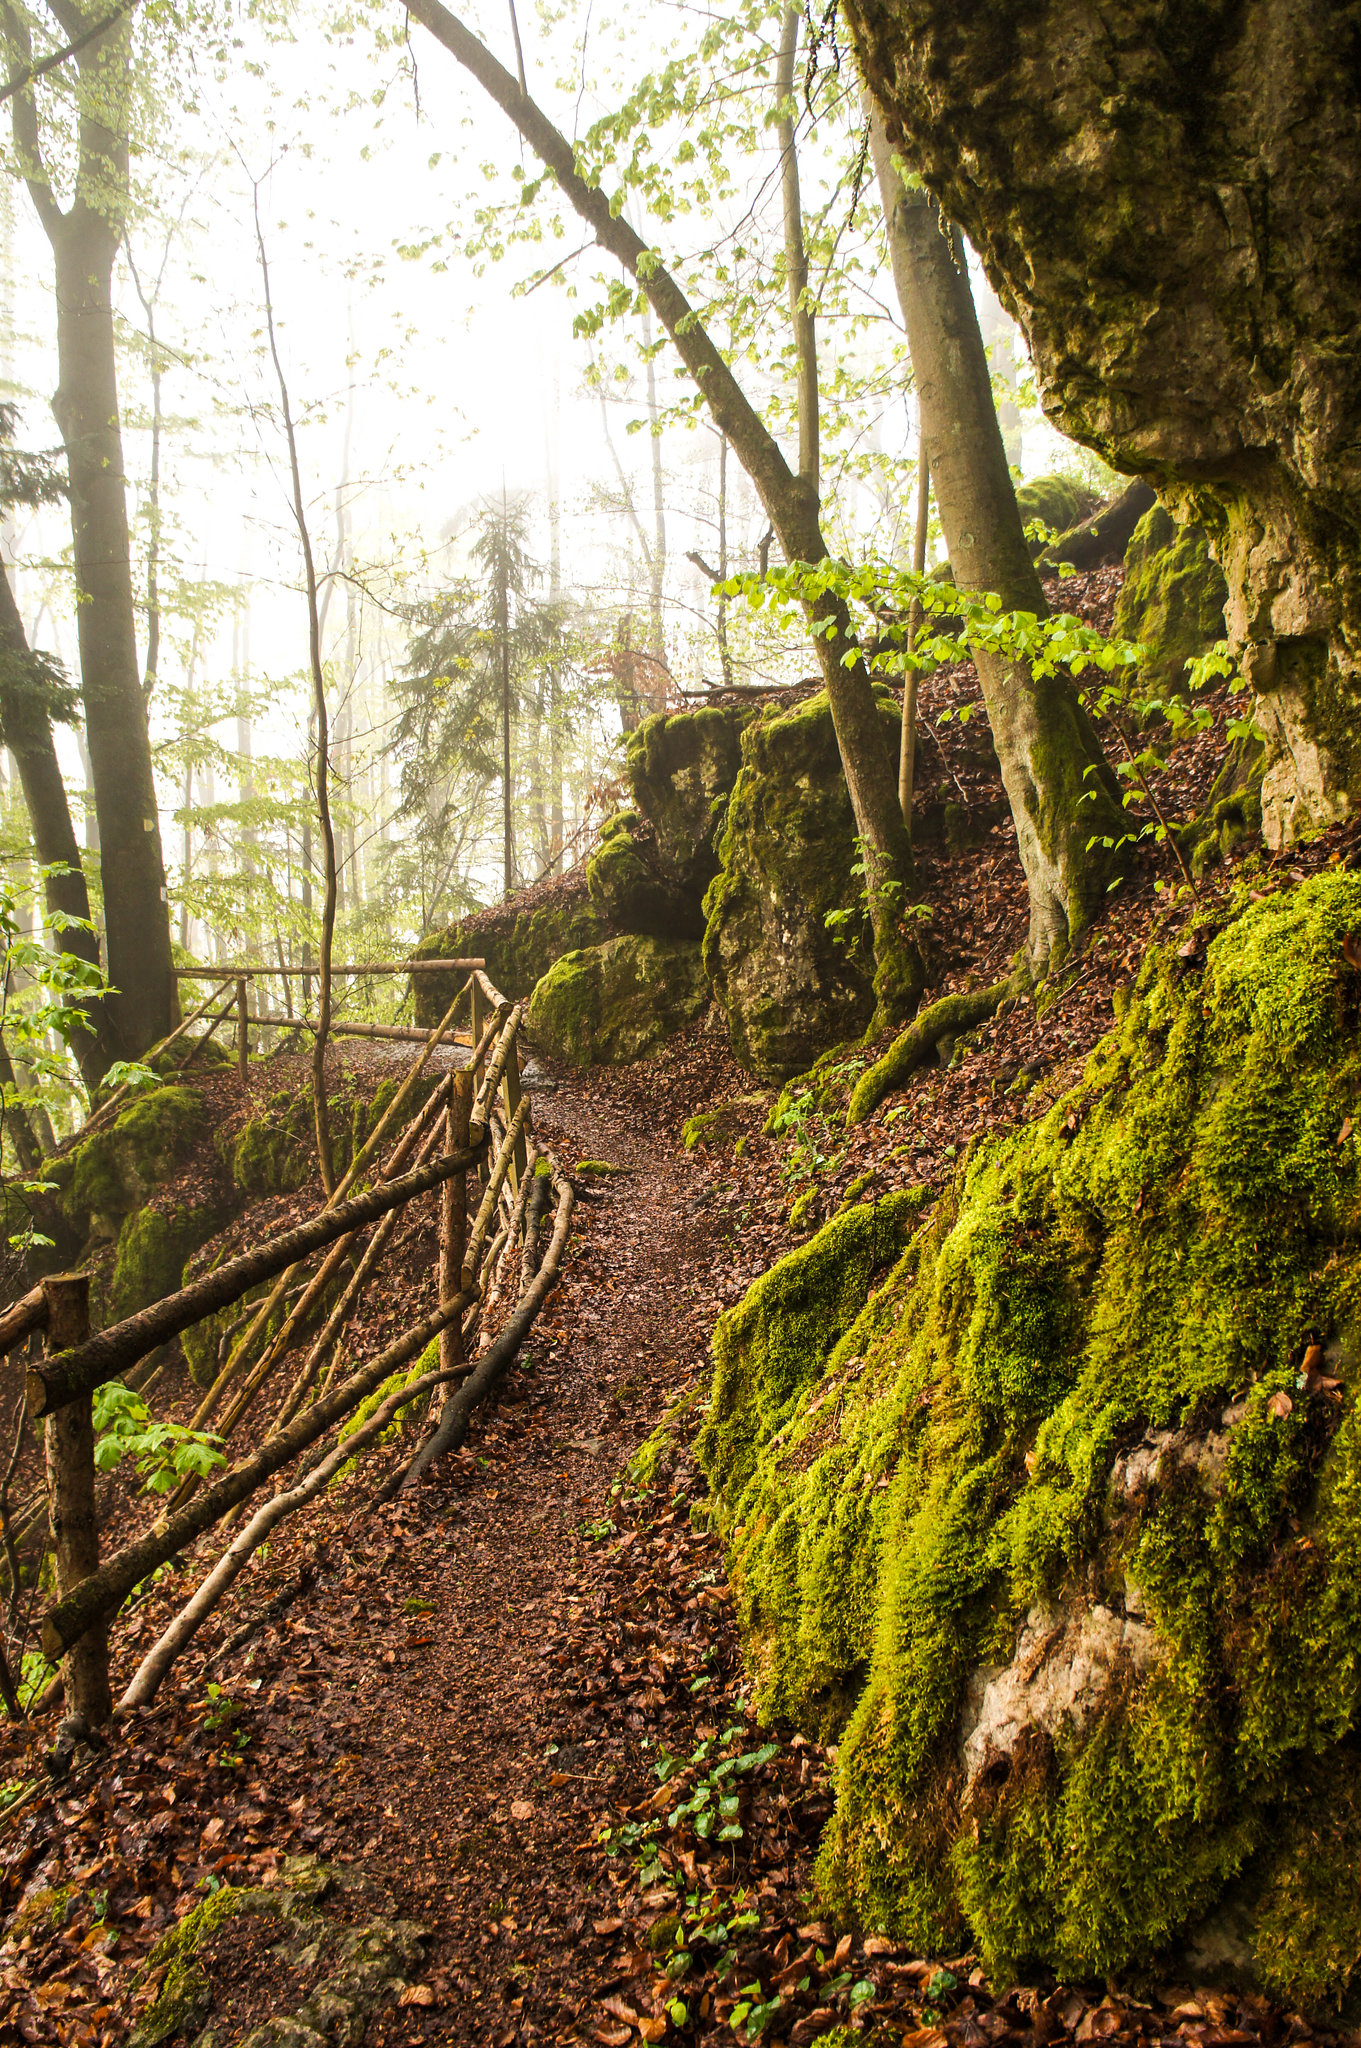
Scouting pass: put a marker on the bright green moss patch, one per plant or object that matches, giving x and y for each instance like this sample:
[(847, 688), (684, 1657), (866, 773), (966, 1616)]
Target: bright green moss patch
[(618, 1001), (1071, 1432), (112, 1172)]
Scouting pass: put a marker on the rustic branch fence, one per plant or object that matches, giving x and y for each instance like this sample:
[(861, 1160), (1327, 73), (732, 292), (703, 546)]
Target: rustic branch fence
[(472, 1139)]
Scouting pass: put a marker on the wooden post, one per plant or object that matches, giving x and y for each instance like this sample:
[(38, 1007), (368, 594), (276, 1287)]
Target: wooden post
[(454, 1217), (479, 1018), (242, 1029), (71, 1499)]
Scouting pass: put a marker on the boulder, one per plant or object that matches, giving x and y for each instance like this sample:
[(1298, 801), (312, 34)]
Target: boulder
[(1057, 501), (1055, 1530), (680, 772), (789, 984), (615, 1002), (519, 940), (1172, 598)]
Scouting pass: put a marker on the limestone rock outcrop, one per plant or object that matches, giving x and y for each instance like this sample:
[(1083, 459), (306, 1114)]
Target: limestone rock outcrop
[(1168, 199)]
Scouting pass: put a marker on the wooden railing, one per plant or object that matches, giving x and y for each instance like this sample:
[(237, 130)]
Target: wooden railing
[(472, 1137)]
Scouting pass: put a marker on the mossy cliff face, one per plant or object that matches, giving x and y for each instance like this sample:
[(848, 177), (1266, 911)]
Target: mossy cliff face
[(1057, 500), (1060, 1532), (618, 1001), (680, 772), (790, 988), (1172, 597), (1174, 215)]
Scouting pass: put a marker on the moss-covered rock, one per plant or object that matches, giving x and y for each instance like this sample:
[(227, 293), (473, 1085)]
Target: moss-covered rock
[(790, 985), (1059, 1531), (680, 770), (1057, 501), (153, 1248), (631, 891), (1172, 598), (276, 1151), (519, 940), (618, 1001), (111, 1173)]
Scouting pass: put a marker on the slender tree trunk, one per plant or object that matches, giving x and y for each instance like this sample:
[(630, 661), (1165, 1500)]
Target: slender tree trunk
[(503, 635), (84, 242), (867, 762), (724, 651), (28, 735), (1045, 742), (657, 560), (321, 1109), (801, 315)]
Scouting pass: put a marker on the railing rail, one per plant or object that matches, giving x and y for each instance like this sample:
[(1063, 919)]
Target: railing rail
[(476, 1119)]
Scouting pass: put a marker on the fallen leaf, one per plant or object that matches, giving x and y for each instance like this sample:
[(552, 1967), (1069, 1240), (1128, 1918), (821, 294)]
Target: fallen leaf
[(652, 2029), (619, 2009), (521, 1809), (607, 1926), (417, 1994), (1280, 1406), (613, 2037), (1346, 1131)]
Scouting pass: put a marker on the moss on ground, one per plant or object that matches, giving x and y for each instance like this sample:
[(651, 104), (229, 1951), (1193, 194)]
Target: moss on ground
[(1081, 1398), (618, 1001)]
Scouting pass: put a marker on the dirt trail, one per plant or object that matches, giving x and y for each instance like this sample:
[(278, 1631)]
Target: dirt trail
[(444, 1790)]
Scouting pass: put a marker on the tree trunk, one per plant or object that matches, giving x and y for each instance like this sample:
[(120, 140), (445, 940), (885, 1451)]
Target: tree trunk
[(870, 771), (1045, 742), (28, 735), (136, 919), (84, 243)]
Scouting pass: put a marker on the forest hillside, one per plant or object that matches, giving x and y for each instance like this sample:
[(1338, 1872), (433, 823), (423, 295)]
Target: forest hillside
[(679, 1068)]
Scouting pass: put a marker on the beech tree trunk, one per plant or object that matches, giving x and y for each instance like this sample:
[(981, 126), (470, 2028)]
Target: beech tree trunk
[(85, 241), (28, 735), (1059, 785), (790, 505)]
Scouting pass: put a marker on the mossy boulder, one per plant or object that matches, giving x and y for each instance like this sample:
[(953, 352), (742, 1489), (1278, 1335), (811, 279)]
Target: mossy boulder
[(618, 1001), (519, 940), (276, 1151), (108, 1175), (153, 1249), (1059, 1531), (790, 985), (680, 770), (1057, 501), (1172, 598), (630, 889)]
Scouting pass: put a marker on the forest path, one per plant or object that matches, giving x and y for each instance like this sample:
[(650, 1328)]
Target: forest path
[(446, 1792)]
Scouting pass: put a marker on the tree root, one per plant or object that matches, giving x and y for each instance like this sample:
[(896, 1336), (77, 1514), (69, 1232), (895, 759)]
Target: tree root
[(945, 1019)]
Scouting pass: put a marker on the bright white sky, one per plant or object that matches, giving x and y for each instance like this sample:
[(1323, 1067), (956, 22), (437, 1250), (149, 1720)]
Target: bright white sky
[(447, 386)]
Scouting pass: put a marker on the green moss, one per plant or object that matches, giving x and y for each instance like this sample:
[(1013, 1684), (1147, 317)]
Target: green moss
[(276, 1152), (719, 1126), (185, 1993), (1056, 500), (803, 1208), (904, 1483), (113, 1172), (790, 985), (603, 1167), (153, 1247), (680, 770), (631, 892), (654, 1458), (1172, 598), (618, 1001), (519, 945)]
